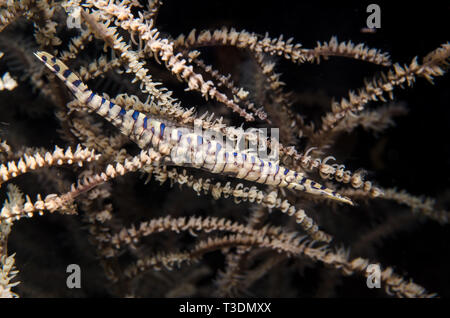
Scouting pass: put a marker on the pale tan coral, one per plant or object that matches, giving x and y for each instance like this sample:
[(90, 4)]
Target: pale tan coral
[(128, 33)]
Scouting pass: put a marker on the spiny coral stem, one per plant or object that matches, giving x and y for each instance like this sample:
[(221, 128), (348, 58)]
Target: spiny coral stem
[(54, 202), (246, 194), (59, 157), (164, 49), (280, 47), (394, 284), (378, 87)]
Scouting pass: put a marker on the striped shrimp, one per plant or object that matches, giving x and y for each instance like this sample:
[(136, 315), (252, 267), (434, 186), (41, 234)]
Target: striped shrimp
[(183, 147)]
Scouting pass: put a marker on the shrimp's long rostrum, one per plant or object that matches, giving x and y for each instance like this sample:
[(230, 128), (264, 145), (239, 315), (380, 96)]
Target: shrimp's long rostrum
[(182, 146)]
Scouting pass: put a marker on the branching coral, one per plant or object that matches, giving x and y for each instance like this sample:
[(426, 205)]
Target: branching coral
[(139, 229)]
